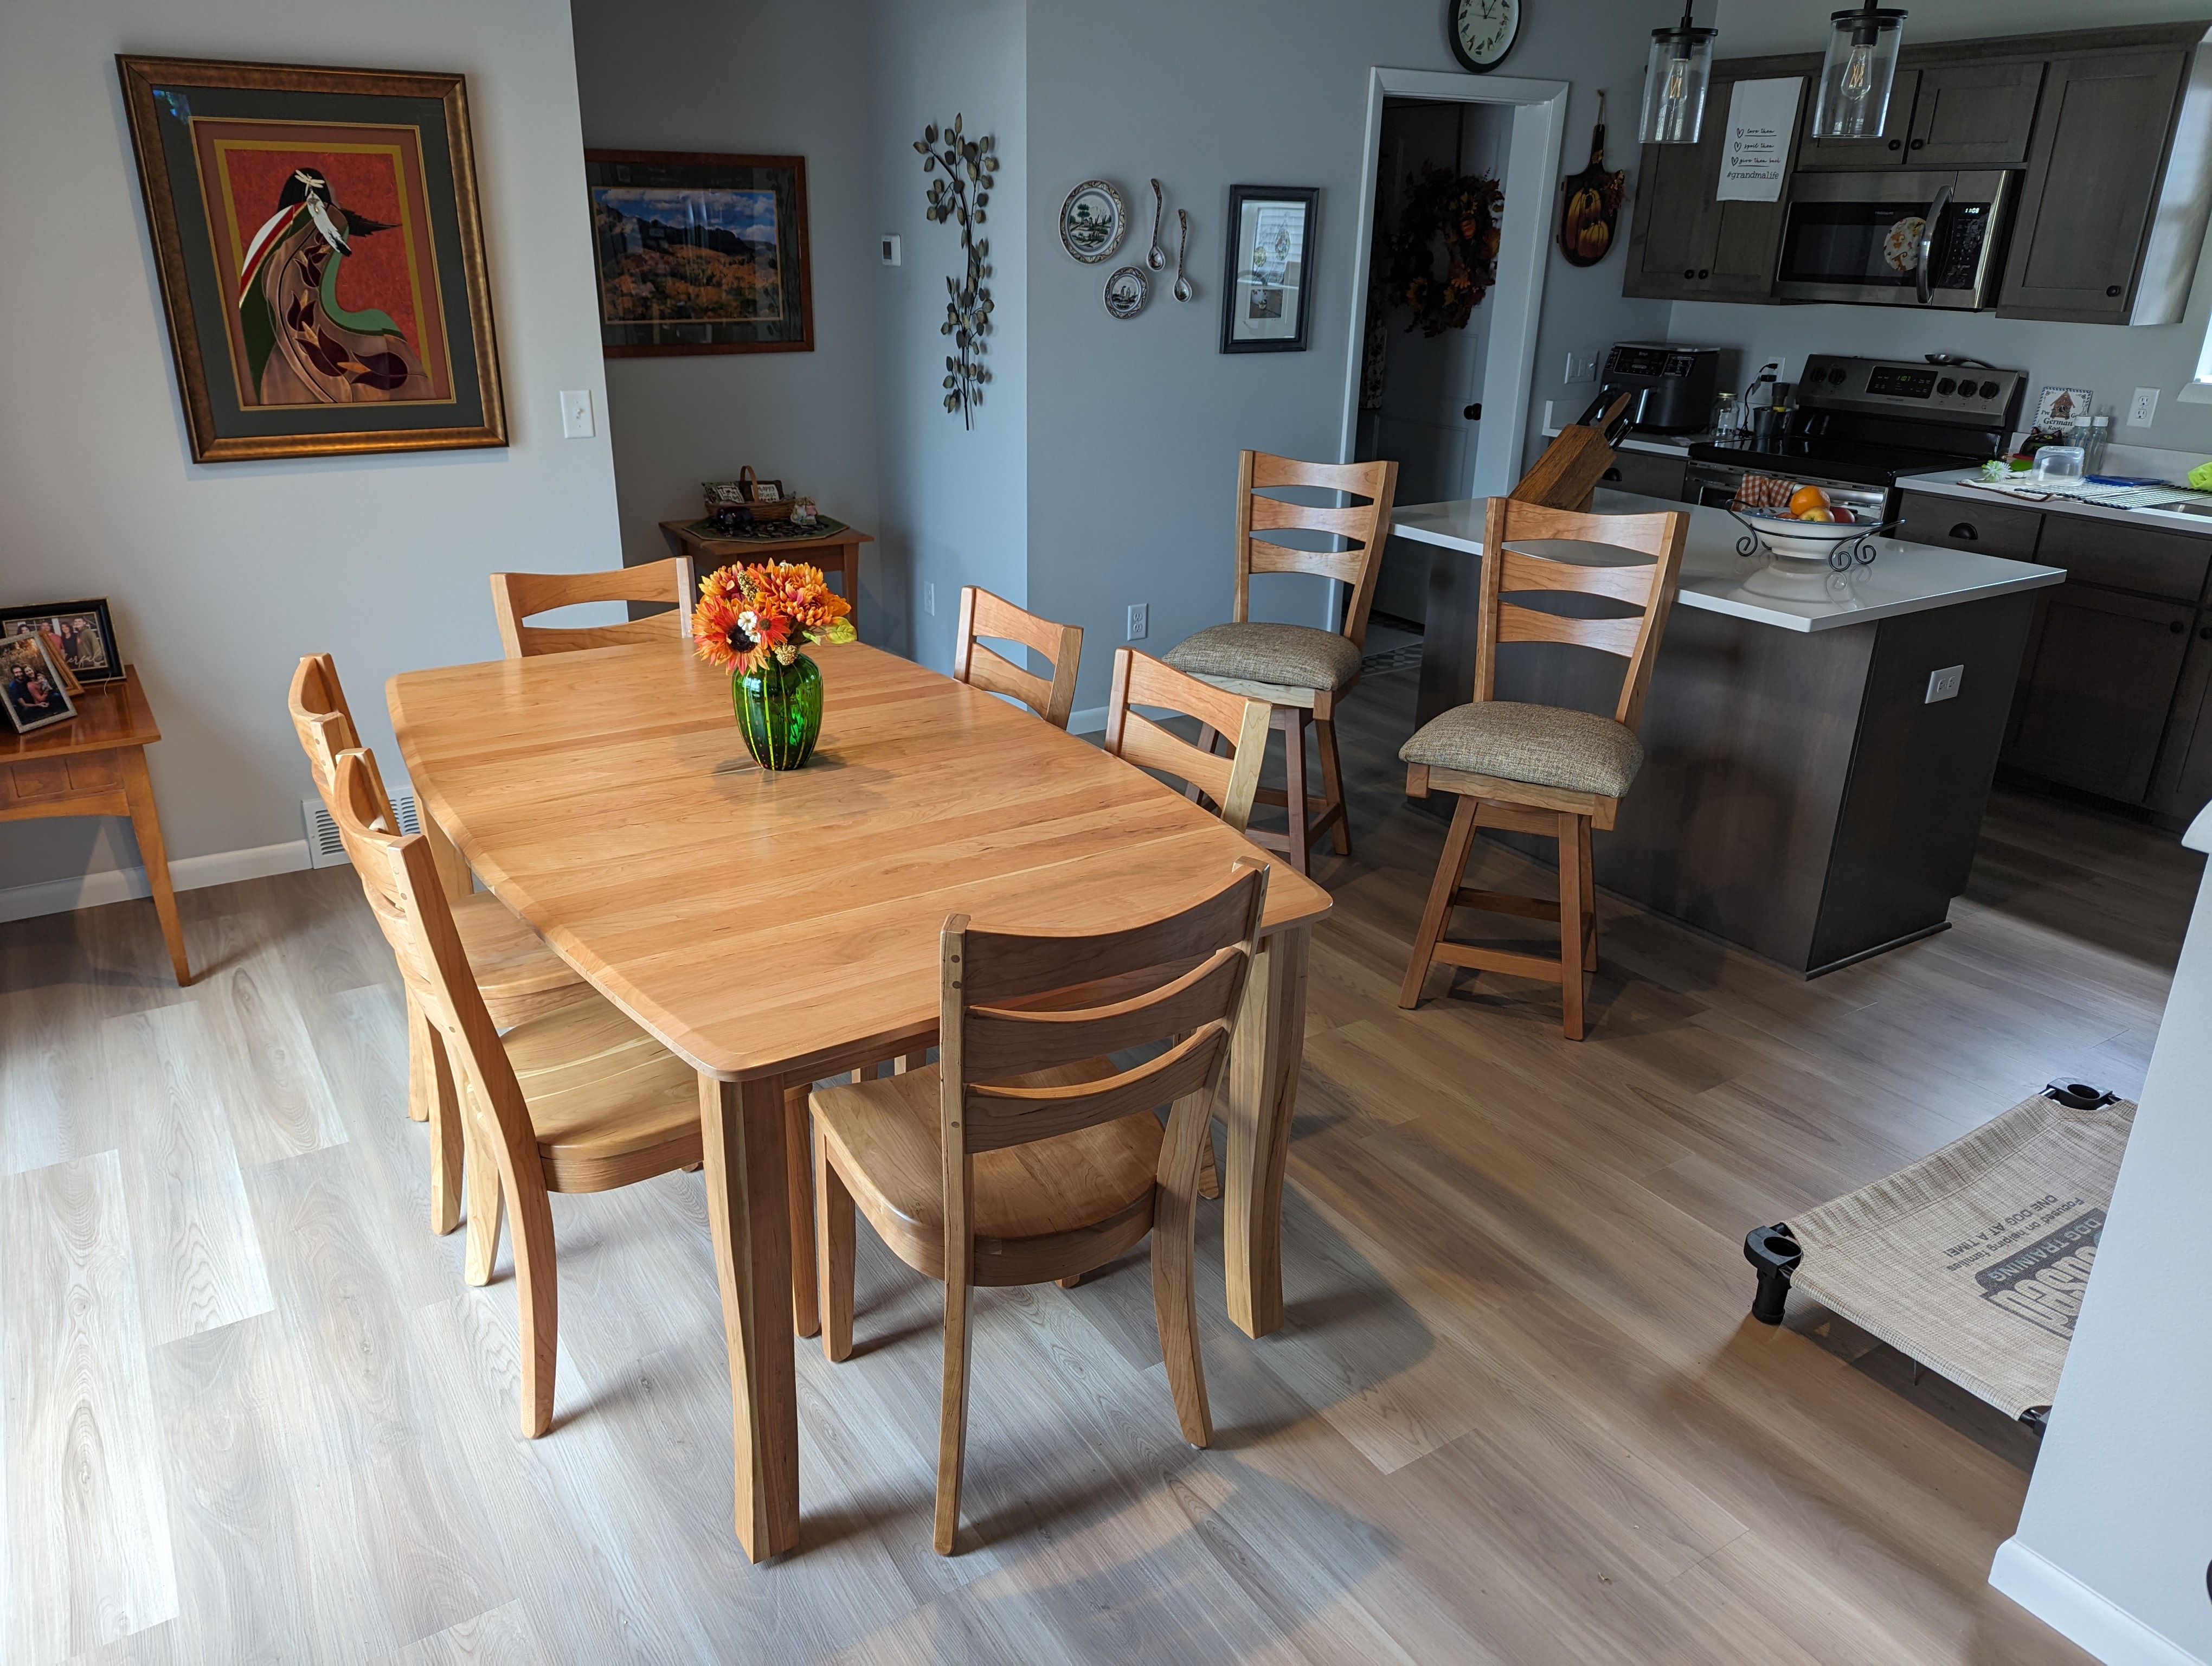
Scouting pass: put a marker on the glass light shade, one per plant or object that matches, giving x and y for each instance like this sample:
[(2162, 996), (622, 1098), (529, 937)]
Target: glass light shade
[(1855, 81), (1674, 86)]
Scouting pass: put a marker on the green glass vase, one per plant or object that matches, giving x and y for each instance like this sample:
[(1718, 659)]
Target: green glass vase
[(779, 711)]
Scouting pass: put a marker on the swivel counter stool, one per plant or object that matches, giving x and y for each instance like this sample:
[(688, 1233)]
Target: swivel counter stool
[(1549, 770)]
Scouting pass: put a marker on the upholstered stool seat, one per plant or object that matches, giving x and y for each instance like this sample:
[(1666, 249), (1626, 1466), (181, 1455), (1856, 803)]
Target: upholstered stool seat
[(1539, 746), (1286, 655)]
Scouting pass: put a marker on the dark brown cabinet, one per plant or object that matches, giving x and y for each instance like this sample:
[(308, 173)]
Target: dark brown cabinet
[(2099, 690), (2092, 183), (1653, 474), (1885, 149), (1973, 115), (1988, 529)]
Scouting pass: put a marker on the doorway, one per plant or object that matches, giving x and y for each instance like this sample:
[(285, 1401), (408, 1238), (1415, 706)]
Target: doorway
[(1452, 409)]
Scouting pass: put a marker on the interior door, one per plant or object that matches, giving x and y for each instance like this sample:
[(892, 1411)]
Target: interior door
[(1974, 115), (2106, 668)]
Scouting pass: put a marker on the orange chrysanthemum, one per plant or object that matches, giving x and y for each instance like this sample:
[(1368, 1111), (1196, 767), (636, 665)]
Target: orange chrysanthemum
[(747, 615)]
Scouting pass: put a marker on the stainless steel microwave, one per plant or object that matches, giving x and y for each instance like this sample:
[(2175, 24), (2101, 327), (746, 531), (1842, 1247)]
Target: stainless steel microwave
[(1897, 239)]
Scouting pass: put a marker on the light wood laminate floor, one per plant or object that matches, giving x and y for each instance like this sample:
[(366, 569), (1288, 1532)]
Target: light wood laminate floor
[(1518, 1414)]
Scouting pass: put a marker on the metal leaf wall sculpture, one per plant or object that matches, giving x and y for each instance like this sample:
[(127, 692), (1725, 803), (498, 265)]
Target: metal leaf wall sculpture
[(963, 194)]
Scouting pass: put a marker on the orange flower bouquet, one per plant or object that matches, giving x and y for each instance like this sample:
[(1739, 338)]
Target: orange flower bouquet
[(751, 621)]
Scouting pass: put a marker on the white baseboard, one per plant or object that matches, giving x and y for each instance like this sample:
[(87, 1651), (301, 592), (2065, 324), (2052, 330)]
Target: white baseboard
[(119, 884), (2071, 1609)]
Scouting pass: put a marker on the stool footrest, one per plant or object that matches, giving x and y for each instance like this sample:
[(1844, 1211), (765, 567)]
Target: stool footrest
[(1505, 902)]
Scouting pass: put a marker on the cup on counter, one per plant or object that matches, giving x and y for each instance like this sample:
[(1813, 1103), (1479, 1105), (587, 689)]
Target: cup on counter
[(2058, 465)]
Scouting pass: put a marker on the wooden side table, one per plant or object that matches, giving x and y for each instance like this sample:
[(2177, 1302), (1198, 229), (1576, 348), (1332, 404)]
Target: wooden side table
[(96, 766), (840, 551)]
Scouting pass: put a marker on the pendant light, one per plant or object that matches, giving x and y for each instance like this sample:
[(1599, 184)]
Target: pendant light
[(1855, 81), (1674, 84)]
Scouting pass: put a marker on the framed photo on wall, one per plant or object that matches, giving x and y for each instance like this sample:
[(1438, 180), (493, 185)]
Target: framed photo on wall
[(1266, 298), (321, 257), (82, 634), (700, 253)]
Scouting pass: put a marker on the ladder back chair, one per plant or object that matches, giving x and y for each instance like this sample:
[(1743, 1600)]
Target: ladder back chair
[(580, 1100), (515, 597), (1230, 782), (1543, 769), (1302, 671), (519, 975), (1024, 1155), (980, 666)]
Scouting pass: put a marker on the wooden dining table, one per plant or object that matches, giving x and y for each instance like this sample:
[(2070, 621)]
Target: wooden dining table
[(774, 929)]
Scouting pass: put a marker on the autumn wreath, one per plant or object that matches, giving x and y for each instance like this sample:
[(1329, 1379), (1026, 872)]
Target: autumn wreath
[(1464, 208)]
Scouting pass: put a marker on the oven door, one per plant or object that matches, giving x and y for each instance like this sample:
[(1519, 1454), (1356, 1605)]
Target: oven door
[(1896, 239)]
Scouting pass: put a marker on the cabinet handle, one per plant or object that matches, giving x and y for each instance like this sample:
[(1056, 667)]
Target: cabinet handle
[(1965, 530), (2175, 626), (1916, 143), (1472, 413), (2205, 634), (1614, 474), (1702, 272), (2111, 289), (1893, 143)]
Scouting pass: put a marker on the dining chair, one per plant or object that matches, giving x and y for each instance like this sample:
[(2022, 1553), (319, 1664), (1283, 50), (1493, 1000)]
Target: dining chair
[(980, 666), (518, 973), (1230, 782), (1024, 1155), (516, 597), (1303, 671), (1548, 770), (579, 1100)]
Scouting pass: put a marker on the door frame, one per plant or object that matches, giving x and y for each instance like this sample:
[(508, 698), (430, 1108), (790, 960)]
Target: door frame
[(1540, 119)]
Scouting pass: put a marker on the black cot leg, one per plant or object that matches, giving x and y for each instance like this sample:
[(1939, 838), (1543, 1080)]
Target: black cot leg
[(1775, 1255)]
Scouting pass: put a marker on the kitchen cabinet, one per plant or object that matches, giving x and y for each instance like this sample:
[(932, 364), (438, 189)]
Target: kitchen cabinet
[(2183, 783), (1648, 473), (1885, 149), (2171, 565), (2092, 183), (1973, 115), (1685, 246), (2099, 687), (1988, 529)]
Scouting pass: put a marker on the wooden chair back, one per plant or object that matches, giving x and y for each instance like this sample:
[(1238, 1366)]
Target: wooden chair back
[(321, 718), (1231, 782), (1364, 526), (399, 876), (1014, 1004), (1648, 584), (982, 614), (516, 596)]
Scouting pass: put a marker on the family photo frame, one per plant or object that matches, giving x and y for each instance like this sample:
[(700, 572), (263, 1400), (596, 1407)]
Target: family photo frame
[(81, 634), (1267, 304), (33, 691), (321, 257)]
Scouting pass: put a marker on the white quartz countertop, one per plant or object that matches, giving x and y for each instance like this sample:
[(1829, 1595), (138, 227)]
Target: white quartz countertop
[(1950, 482), (1789, 595)]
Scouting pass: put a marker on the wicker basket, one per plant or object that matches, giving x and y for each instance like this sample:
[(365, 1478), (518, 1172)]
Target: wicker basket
[(747, 501)]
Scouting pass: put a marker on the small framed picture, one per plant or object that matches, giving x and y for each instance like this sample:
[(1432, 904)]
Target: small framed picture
[(31, 684), (1266, 302), (83, 630)]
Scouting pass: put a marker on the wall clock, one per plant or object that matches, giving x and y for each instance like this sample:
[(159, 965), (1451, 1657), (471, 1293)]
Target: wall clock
[(1482, 31)]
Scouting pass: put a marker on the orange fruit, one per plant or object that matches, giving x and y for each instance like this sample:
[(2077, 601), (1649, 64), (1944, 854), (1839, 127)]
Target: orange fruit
[(1807, 497)]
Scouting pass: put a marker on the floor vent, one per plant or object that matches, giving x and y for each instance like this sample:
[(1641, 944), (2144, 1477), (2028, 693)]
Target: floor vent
[(325, 848)]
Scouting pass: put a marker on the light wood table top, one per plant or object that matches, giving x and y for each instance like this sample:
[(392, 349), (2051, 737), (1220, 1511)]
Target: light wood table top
[(760, 923)]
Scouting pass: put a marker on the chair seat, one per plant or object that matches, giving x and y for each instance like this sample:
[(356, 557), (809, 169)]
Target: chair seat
[(1047, 1210), (1296, 656), (610, 1104), (506, 953), (1540, 746)]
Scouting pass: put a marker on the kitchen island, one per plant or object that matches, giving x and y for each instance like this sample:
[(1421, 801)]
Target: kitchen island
[(1801, 795)]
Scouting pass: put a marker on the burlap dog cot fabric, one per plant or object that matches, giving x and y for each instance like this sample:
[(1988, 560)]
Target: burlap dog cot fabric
[(1973, 1260)]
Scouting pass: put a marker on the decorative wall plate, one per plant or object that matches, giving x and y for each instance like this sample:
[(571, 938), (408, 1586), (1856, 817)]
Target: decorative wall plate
[(1092, 221), (1127, 291)]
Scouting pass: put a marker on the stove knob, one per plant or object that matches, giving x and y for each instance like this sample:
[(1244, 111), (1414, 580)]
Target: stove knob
[(1947, 387), (1989, 390), (1836, 376)]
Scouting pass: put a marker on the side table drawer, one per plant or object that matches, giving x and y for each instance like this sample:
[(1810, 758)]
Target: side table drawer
[(46, 783), (34, 780), (95, 772)]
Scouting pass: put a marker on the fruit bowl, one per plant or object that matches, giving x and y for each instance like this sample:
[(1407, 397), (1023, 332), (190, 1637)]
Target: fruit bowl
[(1839, 543)]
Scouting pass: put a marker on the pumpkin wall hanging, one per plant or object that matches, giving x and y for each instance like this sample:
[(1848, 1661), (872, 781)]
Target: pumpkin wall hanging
[(1593, 203), (1463, 210)]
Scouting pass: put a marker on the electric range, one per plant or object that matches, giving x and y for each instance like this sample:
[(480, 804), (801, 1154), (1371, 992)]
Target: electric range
[(1857, 426)]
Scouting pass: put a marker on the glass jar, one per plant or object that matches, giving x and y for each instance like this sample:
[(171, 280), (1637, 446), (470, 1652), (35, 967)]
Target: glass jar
[(779, 710)]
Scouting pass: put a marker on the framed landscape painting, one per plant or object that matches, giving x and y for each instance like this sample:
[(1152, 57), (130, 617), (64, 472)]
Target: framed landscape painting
[(700, 253), (321, 257)]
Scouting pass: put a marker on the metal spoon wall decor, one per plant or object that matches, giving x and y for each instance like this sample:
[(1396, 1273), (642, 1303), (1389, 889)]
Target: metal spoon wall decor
[(1158, 258), (1184, 290)]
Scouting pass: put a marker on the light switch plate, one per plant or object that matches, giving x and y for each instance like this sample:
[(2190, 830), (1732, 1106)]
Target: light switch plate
[(2144, 407), (890, 248), (1944, 684), (1581, 367), (576, 413), (929, 597)]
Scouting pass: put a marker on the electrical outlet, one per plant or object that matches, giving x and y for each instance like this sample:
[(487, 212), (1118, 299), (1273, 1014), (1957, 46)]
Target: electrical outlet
[(890, 248), (1581, 367), (1137, 611), (929, 597), (1944, 684), (2144, 408), (576, 413)]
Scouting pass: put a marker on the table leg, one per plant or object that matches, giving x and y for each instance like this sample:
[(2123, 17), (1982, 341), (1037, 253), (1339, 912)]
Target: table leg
[(742, 1127), (1261, 1093), (146, 825), (798, 1197), (849, 561)]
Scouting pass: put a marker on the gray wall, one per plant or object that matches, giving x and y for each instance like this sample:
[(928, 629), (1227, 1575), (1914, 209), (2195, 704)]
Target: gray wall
[(221, 575), (1134, 426), (2118, 1509), (709, 76), (2111, 360)]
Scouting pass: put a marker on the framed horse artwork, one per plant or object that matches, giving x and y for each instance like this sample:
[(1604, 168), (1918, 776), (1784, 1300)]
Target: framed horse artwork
[(321, 257)]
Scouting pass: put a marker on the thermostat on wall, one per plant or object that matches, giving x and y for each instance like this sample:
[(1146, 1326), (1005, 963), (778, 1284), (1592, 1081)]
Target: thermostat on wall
[(890, 248)]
